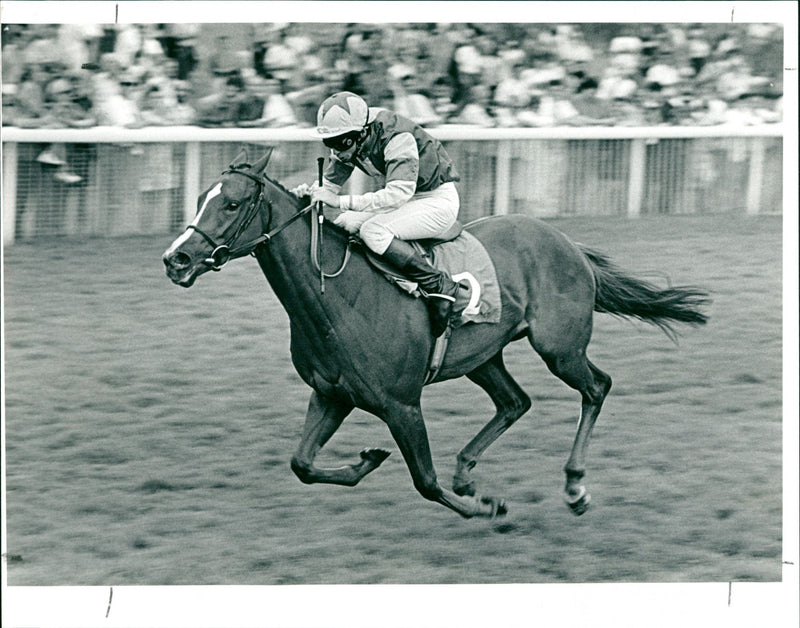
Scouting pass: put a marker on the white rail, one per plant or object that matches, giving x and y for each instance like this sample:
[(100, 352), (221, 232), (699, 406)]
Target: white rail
[(133, 180), (100, 135)]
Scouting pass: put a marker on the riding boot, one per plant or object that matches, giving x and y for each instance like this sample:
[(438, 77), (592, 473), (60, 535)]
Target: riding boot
[(436, 286)]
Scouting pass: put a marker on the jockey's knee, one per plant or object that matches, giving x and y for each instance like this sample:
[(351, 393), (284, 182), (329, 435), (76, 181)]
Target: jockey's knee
[(376, 236)]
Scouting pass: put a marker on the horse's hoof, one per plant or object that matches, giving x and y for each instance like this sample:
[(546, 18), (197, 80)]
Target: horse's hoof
[(580, 504), (498, 506), (374, 456)]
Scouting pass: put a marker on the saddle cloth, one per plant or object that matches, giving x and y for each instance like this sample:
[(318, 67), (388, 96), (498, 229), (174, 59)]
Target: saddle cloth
[(466, 260)]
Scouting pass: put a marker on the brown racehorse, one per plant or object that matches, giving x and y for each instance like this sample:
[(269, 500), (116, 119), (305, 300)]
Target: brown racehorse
[(363, 343)]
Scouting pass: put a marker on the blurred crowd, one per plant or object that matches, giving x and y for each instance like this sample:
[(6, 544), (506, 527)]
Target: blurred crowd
[(488, 75)]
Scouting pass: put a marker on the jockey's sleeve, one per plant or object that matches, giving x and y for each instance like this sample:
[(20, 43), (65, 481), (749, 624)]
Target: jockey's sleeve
[(401, 156)]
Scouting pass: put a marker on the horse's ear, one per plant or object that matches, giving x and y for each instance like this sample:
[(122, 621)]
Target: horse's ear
[(261, 164), (240, 159)]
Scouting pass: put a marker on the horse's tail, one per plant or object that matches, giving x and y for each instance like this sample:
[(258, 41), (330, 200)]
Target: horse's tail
[(620, 294)]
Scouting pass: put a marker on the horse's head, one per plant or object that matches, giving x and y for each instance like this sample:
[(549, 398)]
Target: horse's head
[(230, 214)]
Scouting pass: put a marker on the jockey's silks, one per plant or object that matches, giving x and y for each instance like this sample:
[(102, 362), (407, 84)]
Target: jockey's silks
[(400, 150)]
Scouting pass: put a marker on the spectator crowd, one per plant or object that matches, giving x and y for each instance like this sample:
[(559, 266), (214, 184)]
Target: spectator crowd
[(489, 75)]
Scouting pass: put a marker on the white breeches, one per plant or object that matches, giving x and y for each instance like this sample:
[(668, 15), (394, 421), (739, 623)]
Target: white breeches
[(426, 215)]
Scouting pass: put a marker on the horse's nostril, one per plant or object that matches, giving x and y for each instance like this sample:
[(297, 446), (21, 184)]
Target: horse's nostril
[(178, 260)]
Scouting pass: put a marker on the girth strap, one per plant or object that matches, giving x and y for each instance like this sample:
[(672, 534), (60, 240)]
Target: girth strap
[(437, 355)]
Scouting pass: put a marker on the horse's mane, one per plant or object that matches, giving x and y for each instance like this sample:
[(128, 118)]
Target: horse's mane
[(299, 201), (287, 191), (303, 201)]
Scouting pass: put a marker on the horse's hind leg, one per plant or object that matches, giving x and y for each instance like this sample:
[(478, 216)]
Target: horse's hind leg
[(323, 418), (593, 384), (511, 403)]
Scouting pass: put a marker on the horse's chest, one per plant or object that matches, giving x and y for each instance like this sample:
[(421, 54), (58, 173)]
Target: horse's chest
[(361, 364), (318, 373), (321, 364)]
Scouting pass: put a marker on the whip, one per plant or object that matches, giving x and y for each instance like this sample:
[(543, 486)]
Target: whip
[(320, 220)]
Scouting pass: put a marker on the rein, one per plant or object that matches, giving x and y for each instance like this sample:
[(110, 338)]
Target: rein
[(222, 253)]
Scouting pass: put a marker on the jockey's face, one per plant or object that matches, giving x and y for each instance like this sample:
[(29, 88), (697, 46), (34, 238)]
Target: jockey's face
[(343, 146)]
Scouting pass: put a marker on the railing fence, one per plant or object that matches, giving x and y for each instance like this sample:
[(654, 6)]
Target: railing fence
[(120, 182)]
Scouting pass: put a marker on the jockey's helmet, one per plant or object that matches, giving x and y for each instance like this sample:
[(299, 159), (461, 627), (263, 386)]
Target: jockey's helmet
[(341, 114)]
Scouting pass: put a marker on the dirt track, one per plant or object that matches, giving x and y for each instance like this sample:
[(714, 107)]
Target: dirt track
[(149, 430)]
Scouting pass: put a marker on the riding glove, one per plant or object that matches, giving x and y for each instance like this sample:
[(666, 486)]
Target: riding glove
[(304, 189)]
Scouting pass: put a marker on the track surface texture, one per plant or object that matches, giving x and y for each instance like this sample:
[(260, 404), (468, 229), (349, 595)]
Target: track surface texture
[(149, 430)]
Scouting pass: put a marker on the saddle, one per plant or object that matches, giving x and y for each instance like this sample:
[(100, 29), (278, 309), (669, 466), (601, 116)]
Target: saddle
[(448, 236)]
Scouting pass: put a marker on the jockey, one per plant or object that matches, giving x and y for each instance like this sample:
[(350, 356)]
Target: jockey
[(419, 199)]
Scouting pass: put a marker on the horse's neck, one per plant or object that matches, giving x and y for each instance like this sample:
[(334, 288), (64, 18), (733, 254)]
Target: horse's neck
[(287, 263), (358, 312)]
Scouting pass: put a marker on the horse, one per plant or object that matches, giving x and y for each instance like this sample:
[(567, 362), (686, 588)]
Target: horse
[(361, 342)]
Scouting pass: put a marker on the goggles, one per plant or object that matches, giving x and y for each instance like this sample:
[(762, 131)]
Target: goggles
[(341, 143)]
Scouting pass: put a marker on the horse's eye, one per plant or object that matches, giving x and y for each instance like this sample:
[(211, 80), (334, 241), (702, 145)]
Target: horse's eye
[(233, 206)]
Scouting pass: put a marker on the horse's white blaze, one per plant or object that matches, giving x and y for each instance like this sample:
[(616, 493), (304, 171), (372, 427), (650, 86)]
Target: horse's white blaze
[(178, 242), (213, 192)]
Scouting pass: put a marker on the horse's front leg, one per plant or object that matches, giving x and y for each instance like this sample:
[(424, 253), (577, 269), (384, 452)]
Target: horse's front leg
[(323, 418), (408, 430)]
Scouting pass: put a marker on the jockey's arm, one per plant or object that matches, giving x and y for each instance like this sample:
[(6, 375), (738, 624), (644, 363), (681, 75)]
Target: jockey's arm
[(336, 173), (334, 177), (402, 167)]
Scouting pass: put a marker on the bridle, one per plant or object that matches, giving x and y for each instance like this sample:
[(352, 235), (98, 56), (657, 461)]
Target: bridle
[(222, 253)]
